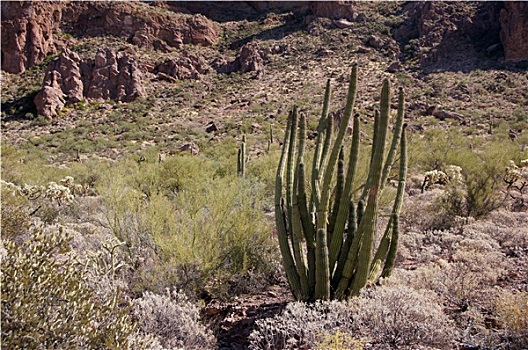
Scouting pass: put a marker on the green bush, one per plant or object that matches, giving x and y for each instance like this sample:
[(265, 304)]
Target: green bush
[(482, 162), (207, 230), (46, 303)]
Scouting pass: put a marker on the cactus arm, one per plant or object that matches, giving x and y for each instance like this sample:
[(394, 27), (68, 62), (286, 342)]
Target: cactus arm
[(338, 196), (291, 166), (309, 231), (241, 168), (322, 278), (343, 253), (374, 132), (332, 161), (383, 248), (367, 227), (391, 255), (303, 223), (322, 209), (386, 241), (296, 223), (398, 126), (329, 132), (337, 238), (321, 127), (280, 218), (402, 173)]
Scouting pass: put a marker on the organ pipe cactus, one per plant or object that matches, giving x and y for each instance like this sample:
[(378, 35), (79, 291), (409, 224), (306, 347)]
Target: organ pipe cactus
[(327, 239)]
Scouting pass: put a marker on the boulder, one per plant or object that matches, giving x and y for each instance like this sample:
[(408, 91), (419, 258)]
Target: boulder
[(514, 30), (189, 66), (443, 115), (250, 59), (50, 99), (211, 127), (334, 9)]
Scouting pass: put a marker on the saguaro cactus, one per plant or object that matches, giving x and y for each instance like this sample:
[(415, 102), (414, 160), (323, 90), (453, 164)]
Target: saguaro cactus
[(325, 238)]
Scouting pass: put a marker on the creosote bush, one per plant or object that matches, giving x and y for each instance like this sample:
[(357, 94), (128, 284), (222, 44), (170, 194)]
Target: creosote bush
[(46, 303)]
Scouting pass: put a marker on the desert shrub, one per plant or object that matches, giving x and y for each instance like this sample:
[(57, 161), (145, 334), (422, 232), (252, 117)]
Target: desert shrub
[(339, 341), (401, 316), (46, 302), (482, 164), (174, 320), (207, 232), (512, 312), (15, 215), (456, 264), (395, 316), (302, 326), (46, 202)]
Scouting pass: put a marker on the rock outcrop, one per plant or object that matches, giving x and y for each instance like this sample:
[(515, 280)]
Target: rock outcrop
[(449, 33), (334, 9), (250, 59), (30, 29), (28, 33), (112, 77), (239, 10), (188, 66), (128, 19), (69, 80), (514, 30)]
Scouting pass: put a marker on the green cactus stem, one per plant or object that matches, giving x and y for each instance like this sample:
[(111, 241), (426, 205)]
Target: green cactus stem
[(241, 162), (325, 238)]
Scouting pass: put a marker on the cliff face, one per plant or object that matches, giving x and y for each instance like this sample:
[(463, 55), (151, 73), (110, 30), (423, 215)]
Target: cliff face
[(28, 31), (514, 30), (450, 32), (132, 19)]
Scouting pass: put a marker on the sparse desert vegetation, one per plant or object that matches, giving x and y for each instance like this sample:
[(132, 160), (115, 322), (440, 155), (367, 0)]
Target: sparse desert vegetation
[(155, 222)]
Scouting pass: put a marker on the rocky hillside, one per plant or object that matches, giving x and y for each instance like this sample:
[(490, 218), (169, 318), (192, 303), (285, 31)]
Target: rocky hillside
[(121, 123), (191, 63)]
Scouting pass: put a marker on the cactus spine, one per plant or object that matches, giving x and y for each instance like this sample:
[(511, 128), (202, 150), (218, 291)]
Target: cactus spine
[(326, 239)]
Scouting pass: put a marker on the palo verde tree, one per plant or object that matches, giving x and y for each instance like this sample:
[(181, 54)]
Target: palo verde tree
[(326, 235)]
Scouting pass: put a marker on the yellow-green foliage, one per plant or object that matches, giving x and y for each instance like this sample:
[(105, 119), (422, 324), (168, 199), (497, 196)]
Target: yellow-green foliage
[(340, 341), (194, 219), (482, 162), (512, 311), (15, 219), (46, 303)]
